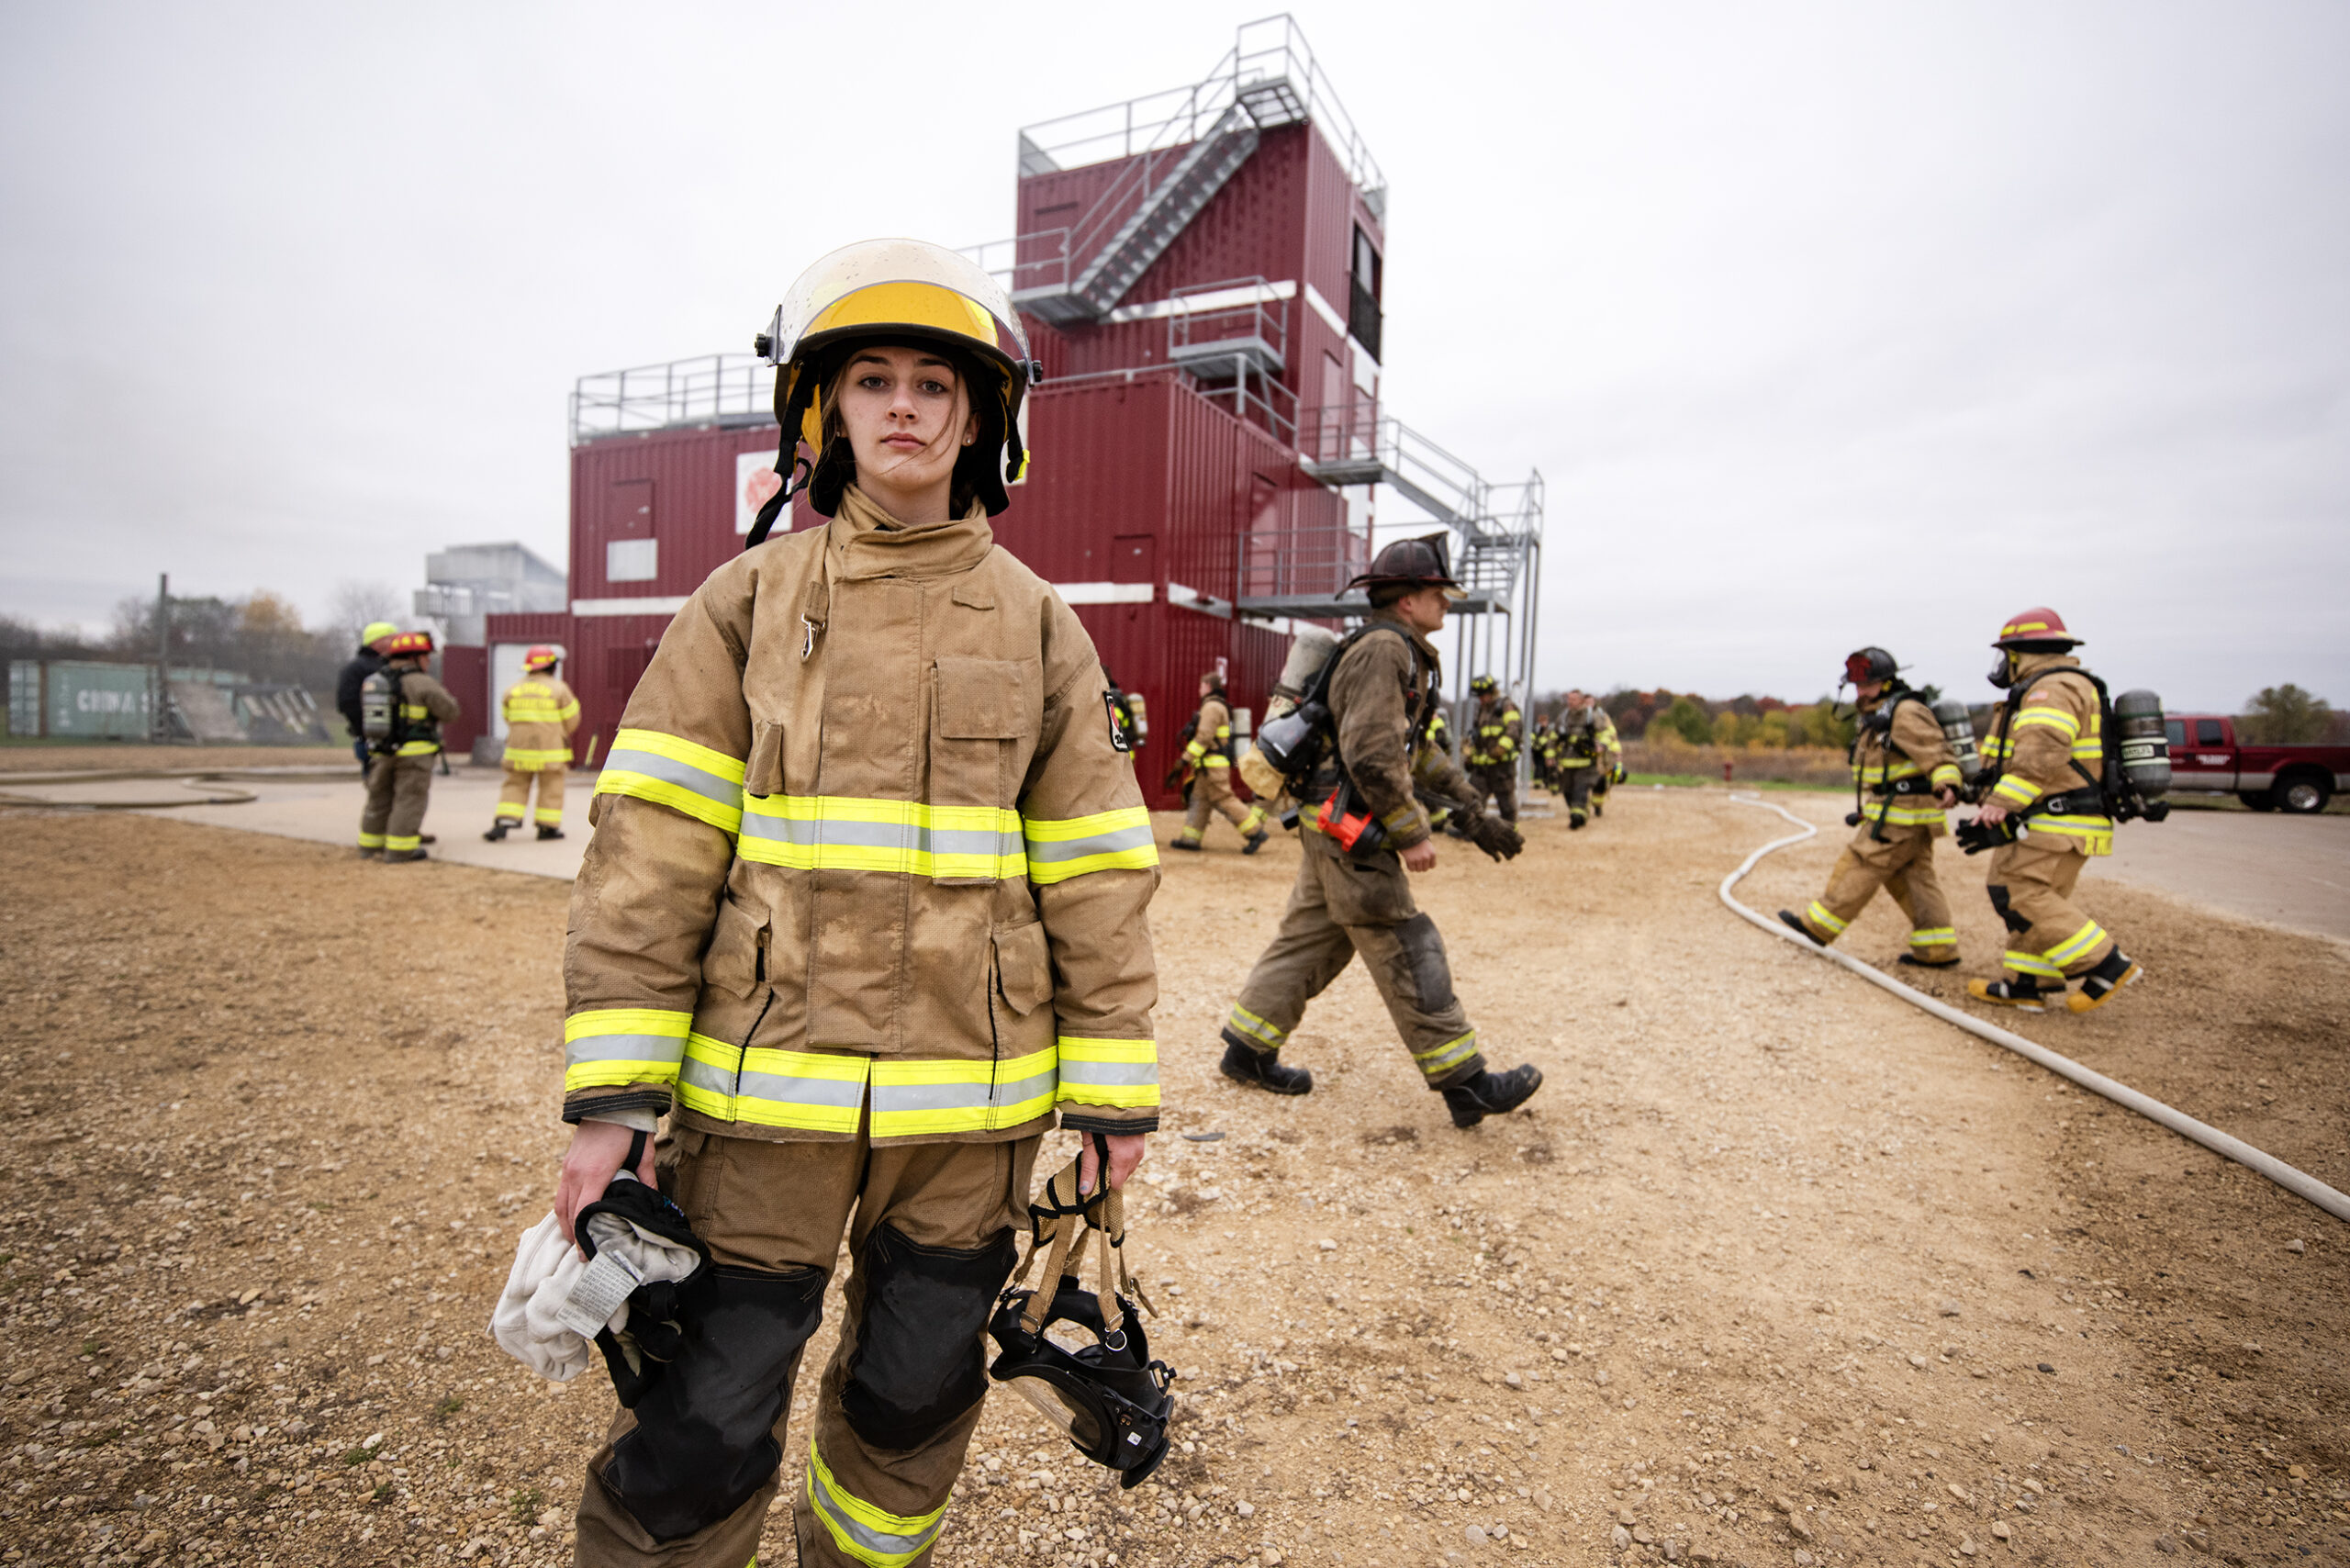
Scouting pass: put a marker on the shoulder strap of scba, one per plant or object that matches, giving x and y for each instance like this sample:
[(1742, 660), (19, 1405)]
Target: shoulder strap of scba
[(1319, 691), (2014, 705)]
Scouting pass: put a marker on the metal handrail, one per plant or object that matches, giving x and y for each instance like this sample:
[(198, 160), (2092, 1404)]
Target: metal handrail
[(649, 397), (1264, 315)]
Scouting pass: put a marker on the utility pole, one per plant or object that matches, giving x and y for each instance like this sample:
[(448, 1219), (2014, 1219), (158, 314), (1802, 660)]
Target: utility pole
[(157, 713)]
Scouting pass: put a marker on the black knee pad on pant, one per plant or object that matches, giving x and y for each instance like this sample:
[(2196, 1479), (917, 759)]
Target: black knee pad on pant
[(2008, 917), (1430, 970), (704, 1437), (918, 1363)]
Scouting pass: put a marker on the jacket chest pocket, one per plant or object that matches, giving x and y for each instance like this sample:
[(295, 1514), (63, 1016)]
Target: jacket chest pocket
[(983, 723)]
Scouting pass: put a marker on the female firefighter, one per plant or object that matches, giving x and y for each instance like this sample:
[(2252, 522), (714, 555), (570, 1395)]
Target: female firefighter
[(864, 909)]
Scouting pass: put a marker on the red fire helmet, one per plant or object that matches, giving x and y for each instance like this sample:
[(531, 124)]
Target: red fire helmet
[(2038, 624), (542, 657)]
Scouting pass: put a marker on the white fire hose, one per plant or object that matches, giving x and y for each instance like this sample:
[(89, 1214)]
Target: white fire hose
[(2299, 1182)]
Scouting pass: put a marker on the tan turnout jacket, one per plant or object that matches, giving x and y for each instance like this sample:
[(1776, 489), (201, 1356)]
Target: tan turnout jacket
[(2051, 744), (863, 840), (1920, 751), (1374, 692), (541, 714)]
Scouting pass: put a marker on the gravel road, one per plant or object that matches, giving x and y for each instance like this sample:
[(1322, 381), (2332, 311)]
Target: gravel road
[(1774, 1269)]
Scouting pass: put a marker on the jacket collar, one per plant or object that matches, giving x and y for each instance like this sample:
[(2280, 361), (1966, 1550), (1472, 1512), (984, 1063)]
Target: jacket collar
[(2031, 665), (863, 541), (1389, 618)]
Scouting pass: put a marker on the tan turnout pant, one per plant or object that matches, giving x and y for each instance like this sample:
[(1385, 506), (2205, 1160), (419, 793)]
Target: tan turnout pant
[(1342, 906), (399, 788), (514, 794), (2049, 938), (685, 1479), (1212, 793), (1903, 865)]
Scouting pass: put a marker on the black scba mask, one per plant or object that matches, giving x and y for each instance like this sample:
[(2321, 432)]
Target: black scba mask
[(1107, 1396), (655, 1333)]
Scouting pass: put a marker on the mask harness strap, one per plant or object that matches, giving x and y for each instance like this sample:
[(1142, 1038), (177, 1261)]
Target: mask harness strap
[(1058, 1227)]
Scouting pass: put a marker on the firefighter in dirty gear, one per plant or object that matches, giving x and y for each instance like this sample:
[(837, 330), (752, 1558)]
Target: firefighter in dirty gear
[(864, 911), (2043, 781), (1208, 754), (1492, 748), (1904, 777), (1589, 757), (400, 771), (1543, 746), (1385, 680), (541, 716)]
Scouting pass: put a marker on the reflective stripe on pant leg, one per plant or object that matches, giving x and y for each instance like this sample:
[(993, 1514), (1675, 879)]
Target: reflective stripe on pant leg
[(2022, 963), (371, 840), (1439, 1060), (870, 1535), (1817, 912), (2077, 947), (1261, 1035), (1255, 819), (548, 816), (510, 811), (1934, 937), (401, 842)]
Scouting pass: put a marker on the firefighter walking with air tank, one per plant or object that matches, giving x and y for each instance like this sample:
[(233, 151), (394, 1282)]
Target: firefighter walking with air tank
[(1905, 775), (401, 711), (1208, 757), (1588, 756), (1354, 752), (541, 715), (2044, 804), (864, 911), (1493, 734)]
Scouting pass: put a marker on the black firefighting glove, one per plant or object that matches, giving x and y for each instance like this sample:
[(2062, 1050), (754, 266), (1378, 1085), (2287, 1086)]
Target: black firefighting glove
[(1495, 838)]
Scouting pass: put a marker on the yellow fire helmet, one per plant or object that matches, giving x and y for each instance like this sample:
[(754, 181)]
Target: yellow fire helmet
[(894, 291)]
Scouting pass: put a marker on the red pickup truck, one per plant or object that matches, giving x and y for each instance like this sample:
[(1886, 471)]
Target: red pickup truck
[(2207, 756)]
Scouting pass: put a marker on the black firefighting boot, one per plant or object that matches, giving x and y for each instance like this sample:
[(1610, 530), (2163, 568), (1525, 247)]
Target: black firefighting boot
[(1575, 819), (1181, 842), (1492, 1093), (497, 832), (2024, 995), (1794, 923), (394, 856), (547, 833), (1263, 1069), (2099, 986), (1915, 962), (1256, 842)]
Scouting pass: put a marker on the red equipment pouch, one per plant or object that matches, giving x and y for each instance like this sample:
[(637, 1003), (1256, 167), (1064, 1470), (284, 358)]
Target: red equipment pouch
[(1348, 823)]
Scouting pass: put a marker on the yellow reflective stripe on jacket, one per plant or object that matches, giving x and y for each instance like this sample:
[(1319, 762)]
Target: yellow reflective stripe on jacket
[(873, 1536), (1947, 776), (923, 1099), (526, 759), (840, 833), (809, 1090), (1223, 732), (1885, 772), (704, 784), (610, 1045), (2015, 789), (1108, 1072), (2093, 834), (2055, 719), (1105, 840), (1910, 816)]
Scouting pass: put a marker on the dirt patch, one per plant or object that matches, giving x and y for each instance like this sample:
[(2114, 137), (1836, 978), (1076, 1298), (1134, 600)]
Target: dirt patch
[(45, 756), (1771, 1265)]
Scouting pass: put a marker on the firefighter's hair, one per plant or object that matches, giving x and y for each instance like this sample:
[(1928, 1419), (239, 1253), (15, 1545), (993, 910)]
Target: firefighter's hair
[(1385, 594)]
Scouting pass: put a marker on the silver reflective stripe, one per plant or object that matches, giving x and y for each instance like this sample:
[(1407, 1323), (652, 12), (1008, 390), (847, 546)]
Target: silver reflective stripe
[(669, 770), (1108, 1072), (1111, 842), (624, 1047), (1014, 1092), (706, 1075), (897, 1097), (807, 833), (845, 1094), (876, 1541)]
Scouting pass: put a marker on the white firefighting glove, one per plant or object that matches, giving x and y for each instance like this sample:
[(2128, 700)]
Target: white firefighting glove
[(555, 1301)]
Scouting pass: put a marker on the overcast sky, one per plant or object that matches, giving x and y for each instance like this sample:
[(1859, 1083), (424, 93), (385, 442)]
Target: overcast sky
[(1826, 324)]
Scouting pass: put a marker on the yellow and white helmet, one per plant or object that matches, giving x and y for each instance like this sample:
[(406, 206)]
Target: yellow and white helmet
[(895, 291)]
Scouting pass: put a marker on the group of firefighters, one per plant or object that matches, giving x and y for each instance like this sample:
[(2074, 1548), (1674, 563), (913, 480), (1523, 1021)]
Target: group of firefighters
[(395, 711), (865, 916)]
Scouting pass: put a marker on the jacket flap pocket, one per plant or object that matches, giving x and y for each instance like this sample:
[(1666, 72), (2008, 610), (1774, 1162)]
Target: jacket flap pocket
[(1024, 967), (982, 700), (736, 958), (763, 774)]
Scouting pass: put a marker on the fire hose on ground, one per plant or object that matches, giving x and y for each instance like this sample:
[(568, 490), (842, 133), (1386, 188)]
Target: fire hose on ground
[(212, 786), (2299, 1182)]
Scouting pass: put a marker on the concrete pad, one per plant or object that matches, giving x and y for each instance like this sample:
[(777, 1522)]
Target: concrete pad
[(463, 807), (2288, 871)]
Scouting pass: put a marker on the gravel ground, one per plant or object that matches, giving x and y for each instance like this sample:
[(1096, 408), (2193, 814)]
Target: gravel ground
[(1774, 1269)]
